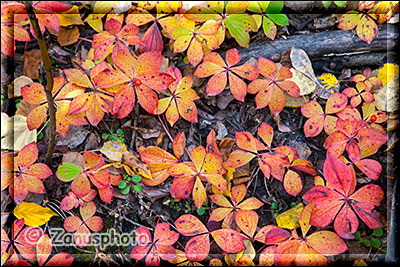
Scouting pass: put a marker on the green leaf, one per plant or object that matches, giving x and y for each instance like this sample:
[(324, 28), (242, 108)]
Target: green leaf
[(275, 7), (326, 3), (357, 235), (104, 136), (122, 184), (366, 243), (201, 211), (293, 204), (125, 190), (279, 19), (120, 132), (378, 232), (274, 205), (137, 188), (136, 178), (238, 29), (339, 3), (376, 243), (68, 171)]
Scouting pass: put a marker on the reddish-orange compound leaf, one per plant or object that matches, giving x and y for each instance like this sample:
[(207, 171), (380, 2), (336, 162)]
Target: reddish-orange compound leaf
[(319, 120), (81, 226), (146, 68), (357, 95), (90, 172), (367, 80), (198, 247), (188, 176), (180, 103), (43, 250), (72, 201), (191, 38), (24, 175), (272, 162), (214, 65), (34, 93), (159, 247), (340, 200), (94, 103), (270, 87), (11, 14), (243, 211), (354, 137), (114, 34), (23, 240), (158, 162)]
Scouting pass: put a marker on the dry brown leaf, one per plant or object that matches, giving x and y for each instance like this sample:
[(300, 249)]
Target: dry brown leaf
[(31, 63), (67, 36)]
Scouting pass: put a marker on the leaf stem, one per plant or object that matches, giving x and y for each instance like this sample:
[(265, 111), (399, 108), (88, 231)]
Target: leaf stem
[(50, 80)]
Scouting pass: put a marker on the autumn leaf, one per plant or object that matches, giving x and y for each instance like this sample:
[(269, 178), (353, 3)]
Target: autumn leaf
[(271, 162), (180, 100), (82, 227), (43, 251), (230, 15), (290, 218), (34, 93), (221, 72), (242, 210), (11, 14), (158, 247), (135, 77), (114, 37), (191, 38), (24, 175), (270, 87), (45, 12), (363, 20), (92, 104), (270, 15), (83, 176), (23, 239), (188, 176), (33, 214), (72, 201), (198, 247), (339, 202), (158, 161), (356, 138)]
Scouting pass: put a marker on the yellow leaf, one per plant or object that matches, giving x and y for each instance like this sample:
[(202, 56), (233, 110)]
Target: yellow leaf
[(290, 218), (388, 72), (33, 214), (70, 17), (113, 150)]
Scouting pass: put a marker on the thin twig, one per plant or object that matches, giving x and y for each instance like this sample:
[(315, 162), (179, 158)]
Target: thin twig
[(49, 75)]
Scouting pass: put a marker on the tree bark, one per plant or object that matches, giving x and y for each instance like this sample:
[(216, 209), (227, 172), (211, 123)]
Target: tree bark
[(331, 43)]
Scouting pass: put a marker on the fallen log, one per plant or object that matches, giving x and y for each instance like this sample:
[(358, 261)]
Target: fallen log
[(322, 44)]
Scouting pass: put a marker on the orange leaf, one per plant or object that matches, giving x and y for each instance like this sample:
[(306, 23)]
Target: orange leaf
[(292, 183), (189, 225), (179, 144), (247, 221), (229, 240)]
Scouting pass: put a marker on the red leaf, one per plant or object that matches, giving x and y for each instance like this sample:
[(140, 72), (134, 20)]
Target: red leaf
[(338, 175)]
